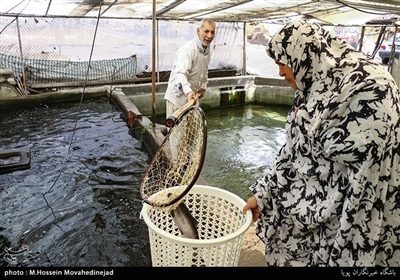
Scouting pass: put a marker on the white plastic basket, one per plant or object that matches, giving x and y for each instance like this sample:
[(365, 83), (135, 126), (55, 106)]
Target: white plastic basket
[(221, 227)]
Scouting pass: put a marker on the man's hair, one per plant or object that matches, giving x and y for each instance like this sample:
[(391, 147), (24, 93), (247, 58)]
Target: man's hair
[(206, 20)]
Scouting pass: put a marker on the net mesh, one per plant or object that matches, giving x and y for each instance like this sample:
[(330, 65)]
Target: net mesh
[(177, 163)]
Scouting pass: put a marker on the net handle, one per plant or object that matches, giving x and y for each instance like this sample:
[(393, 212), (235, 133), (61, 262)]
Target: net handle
[(174, 118)]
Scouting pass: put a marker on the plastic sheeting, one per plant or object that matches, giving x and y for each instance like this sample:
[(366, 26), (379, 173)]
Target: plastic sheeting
[(51, 71)]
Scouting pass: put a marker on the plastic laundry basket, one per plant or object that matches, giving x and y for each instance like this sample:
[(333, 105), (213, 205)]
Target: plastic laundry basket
[(221, 227)]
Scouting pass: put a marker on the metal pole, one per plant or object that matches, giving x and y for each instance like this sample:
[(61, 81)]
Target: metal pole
[(153, 64), (158, 52), (379, 41), (392, 51), (244, 70), (361, 40), (22, 59)]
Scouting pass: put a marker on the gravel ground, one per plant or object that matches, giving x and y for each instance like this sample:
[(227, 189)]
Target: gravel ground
[(253, 250)]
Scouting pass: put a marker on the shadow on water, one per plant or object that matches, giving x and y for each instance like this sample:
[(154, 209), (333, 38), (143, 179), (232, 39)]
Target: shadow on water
[(85, 212)]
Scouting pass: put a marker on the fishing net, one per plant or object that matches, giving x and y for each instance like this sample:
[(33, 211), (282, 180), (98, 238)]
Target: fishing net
[(177, 163), (210, 231)]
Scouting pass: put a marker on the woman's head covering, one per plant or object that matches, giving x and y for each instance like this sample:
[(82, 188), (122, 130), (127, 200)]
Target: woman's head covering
[(331, 76), (320, 61)]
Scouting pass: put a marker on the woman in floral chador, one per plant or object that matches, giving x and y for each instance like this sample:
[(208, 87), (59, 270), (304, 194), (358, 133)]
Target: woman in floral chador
[(332, 196)]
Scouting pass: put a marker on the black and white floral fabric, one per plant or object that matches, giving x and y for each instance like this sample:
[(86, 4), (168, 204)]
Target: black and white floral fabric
[(332, 196)]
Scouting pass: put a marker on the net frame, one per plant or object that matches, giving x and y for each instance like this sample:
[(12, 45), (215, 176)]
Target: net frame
[(170, 176)]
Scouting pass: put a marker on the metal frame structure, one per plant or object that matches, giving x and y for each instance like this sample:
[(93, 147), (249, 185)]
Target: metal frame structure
[(342, 12)]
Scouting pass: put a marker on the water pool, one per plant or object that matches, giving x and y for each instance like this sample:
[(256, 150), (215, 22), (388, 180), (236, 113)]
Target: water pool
[(241, 143), (80, 205), (81, 213)]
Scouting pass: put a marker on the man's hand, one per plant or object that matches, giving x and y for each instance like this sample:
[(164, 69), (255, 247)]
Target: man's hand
[(191, 95), (201, 92)]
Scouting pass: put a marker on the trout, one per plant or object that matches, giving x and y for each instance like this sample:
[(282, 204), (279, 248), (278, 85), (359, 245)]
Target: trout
[(185, 222)]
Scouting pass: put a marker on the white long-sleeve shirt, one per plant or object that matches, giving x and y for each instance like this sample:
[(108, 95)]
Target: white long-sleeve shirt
[(190, 69)]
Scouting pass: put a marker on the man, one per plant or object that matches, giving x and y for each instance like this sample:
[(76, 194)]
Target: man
[(189, 73)]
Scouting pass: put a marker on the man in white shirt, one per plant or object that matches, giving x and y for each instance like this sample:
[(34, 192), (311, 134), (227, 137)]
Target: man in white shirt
[(189, 73)]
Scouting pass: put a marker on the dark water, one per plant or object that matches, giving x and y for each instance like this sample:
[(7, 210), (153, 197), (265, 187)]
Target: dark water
[(242, 142), (84, 212), (79, 204)]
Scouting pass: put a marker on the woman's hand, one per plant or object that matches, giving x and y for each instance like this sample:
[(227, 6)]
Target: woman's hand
[(252, 205)]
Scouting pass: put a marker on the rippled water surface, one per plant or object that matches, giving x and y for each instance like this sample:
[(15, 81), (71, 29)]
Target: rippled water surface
[(79, 204), (84, 212), (242, 142)]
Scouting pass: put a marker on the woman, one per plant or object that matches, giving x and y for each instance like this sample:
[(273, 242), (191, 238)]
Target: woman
[(332, 196)]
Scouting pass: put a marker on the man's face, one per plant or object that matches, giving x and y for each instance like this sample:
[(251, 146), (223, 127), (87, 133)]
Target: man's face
[(206, 33)]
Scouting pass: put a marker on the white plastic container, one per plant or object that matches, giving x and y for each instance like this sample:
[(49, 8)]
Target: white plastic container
[(221, 227)]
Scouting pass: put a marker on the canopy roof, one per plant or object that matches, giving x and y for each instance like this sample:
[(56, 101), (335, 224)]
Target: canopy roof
[(337, 12)]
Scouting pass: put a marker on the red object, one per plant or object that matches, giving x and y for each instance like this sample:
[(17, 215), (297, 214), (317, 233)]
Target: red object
[(131, 119)]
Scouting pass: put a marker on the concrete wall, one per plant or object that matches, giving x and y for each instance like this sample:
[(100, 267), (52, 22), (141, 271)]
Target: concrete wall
[(221, 92), (10, 102)]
